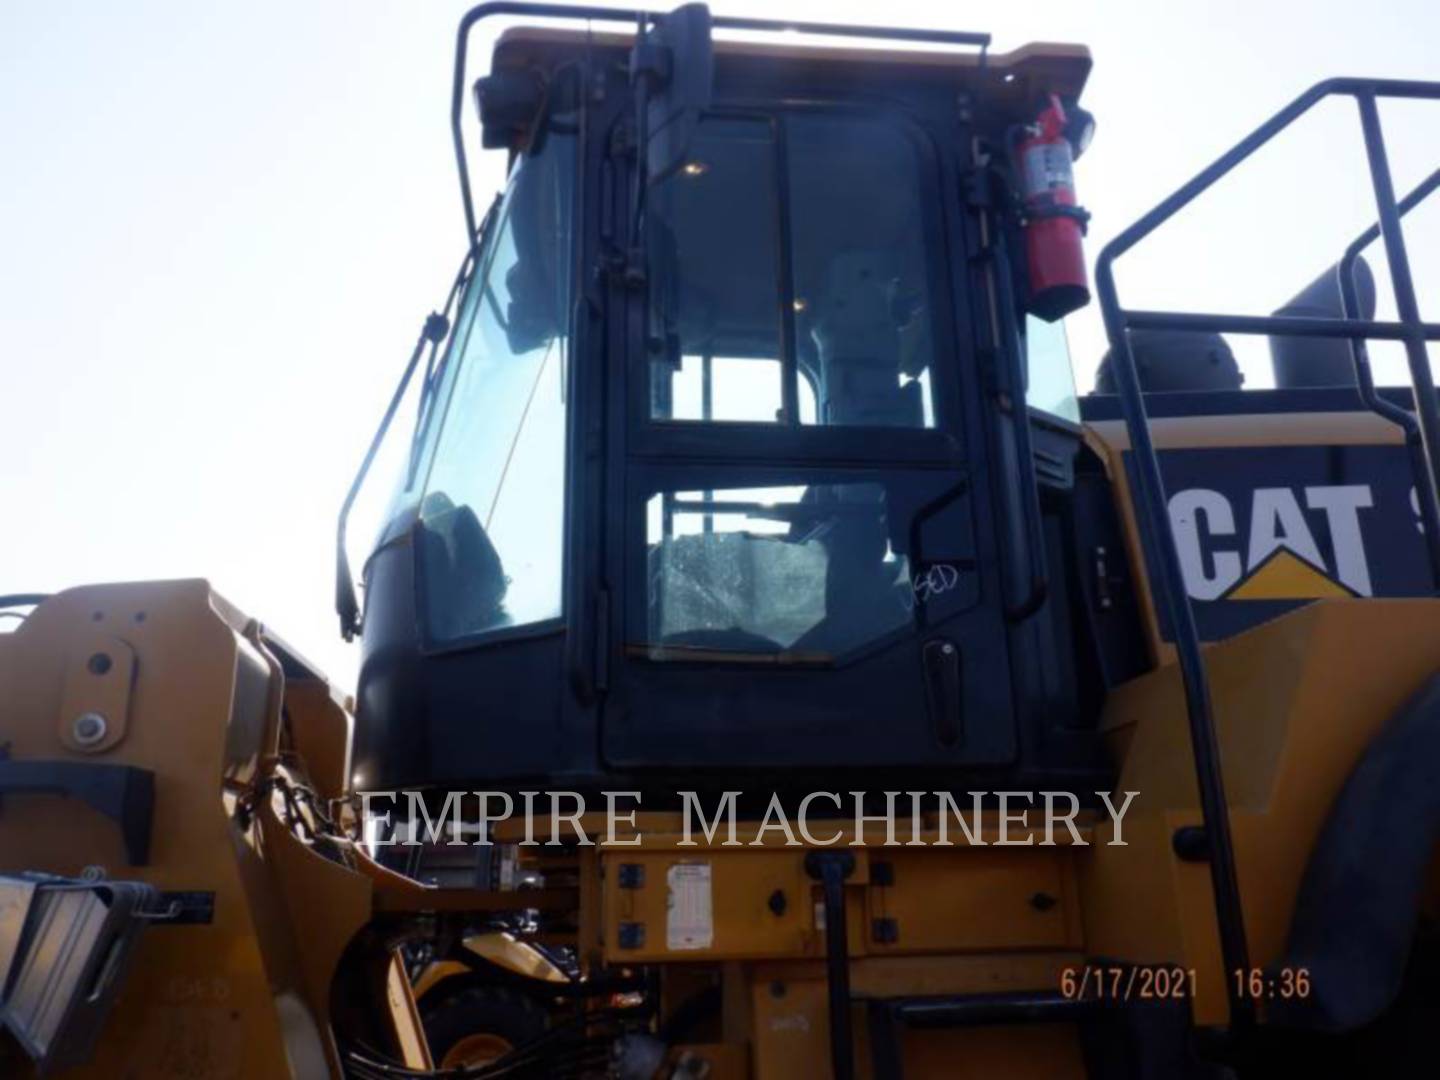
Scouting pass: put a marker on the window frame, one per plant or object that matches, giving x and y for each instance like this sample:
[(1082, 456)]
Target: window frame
[(650, 479), (431, 428), (760, 442)]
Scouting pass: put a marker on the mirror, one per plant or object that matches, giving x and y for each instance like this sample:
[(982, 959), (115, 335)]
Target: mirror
[(678, 57)]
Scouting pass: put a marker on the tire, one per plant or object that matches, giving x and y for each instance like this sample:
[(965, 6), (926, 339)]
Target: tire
[(475, 1025)]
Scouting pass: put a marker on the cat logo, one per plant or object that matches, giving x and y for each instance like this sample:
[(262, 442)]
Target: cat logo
[(1279, 557)]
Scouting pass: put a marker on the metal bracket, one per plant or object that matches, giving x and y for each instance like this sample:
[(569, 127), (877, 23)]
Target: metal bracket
[(186, 908), (831, 868), (123, 793)]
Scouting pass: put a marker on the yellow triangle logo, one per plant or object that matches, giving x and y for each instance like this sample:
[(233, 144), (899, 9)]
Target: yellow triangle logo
[(1286, 576)]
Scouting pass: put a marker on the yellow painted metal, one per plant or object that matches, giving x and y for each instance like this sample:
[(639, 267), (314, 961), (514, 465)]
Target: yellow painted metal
[(1111, 442), (1285, 576), (519, 957), (197, 697), (741, 884), (436, 973), (1297, 701), (503, 950), (320, 731), (220, 1001), (472, 1051), (976, 899), (99, 676), (405, 1016), (765, 906), (791, 1025)]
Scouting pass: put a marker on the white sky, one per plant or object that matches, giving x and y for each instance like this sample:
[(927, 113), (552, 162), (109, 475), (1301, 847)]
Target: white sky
[(221, 226)]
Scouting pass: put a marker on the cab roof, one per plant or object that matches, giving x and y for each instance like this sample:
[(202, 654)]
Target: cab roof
[(1009, 82)]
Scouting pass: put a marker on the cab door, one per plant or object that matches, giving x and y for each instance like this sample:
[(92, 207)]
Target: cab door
[(800, 569)]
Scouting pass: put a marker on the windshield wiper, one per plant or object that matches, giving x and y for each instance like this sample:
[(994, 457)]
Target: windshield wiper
[(434, 332)]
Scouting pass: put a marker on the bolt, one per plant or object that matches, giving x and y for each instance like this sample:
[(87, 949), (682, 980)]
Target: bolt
[(99, 664), (89, 728)]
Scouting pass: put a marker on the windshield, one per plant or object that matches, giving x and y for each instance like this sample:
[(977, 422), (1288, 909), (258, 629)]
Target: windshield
[(491, 463)]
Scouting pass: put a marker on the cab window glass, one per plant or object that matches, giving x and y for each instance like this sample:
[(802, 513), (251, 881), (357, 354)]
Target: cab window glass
[(856, 304), (864, 316), (1051, 386), (758, 571), (714, 266), (490, 542)]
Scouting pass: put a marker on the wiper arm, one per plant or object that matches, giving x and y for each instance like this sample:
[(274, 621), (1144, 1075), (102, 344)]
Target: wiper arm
[(433, 333), (347, 605)]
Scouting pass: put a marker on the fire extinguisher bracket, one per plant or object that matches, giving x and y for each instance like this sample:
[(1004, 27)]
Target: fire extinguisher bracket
[(1077, 213)]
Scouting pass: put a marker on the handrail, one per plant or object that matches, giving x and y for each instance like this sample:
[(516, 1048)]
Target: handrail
[(637, 16), (1346, 271), (1150, 486), (33, 599)]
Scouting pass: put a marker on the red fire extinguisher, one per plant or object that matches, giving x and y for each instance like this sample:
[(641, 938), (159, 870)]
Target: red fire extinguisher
[(1045, 153)]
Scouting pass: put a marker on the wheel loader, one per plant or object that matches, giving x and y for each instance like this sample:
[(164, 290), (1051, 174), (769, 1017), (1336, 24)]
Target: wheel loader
[(765, 673)]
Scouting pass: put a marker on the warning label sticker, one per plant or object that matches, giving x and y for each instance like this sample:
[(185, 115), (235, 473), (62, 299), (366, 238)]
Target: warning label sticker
[(689, 918)]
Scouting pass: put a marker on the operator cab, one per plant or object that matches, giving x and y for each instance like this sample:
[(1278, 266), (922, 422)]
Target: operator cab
[(724, 466)]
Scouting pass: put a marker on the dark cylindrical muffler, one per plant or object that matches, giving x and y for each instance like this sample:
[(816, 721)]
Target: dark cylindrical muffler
[(1312, 361)]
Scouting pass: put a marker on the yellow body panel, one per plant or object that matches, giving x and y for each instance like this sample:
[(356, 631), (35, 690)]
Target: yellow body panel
[(191, 693), (200, 1000), (1110, 440), (791, 1026), (765, 906), (1296, 701)]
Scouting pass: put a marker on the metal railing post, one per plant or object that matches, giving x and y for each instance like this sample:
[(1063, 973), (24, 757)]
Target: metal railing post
[(1427, 408)]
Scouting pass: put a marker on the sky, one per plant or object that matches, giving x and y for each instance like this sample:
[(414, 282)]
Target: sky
[(222, 224)]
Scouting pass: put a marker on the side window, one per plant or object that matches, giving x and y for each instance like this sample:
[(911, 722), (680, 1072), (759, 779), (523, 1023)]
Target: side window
[(848, 277), (805, 570), (1051, 385), (713, 245), (862, 280), (490, 545)]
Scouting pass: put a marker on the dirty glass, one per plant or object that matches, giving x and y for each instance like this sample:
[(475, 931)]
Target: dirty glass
[(760, 571), (855, 243)]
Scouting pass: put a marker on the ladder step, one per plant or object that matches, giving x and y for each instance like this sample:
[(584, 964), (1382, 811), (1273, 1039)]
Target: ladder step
[(975, 1010)]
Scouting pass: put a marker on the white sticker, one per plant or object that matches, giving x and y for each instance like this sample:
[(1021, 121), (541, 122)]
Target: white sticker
[(689, 921)]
